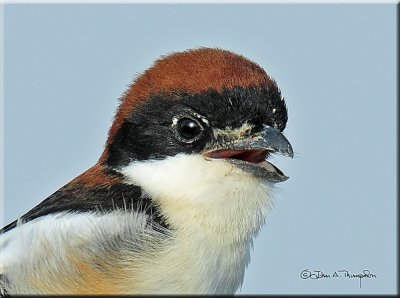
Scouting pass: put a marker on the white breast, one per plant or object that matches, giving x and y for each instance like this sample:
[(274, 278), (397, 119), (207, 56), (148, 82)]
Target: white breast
[(215, 209)]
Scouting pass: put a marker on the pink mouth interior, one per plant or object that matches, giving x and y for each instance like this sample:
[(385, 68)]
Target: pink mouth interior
[(253, 155)]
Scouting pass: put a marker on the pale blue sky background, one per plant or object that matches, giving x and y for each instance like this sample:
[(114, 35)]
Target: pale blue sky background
[(66, 65)]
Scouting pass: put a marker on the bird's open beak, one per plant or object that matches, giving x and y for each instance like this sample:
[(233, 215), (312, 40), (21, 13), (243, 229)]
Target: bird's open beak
[(250, 153)]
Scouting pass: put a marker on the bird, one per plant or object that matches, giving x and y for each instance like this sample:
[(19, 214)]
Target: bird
[(179, 193)]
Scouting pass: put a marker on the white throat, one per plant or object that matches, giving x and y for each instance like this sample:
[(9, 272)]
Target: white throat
[(212, 196)]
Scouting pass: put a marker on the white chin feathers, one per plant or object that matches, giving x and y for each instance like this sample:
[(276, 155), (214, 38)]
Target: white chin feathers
[(211, 195)]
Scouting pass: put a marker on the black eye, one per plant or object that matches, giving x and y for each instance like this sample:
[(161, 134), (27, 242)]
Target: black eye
[(189, 130)]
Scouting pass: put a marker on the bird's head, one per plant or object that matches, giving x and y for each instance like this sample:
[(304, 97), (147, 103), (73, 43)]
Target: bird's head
[(195, 131)]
